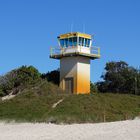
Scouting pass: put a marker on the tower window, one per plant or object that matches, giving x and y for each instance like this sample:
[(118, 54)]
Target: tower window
[(88, 42), (86, 45), (66, 42), (74, 41), (62, 42), (70, 42), (80, 41), (83, 42)]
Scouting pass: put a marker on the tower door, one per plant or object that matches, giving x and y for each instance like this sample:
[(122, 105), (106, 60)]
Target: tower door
[(69, 85)]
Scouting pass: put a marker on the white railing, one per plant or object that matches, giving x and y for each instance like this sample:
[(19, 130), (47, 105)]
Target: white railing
[(80, 49), (95, 50)]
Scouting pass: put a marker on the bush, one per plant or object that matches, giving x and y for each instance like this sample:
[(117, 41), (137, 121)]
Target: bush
[(26, 75), (1, 92), (120, 78), (93, 88), (53, 76), (20, 77)]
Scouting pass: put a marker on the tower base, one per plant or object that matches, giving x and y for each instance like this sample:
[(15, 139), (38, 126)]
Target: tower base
[(75, 74)]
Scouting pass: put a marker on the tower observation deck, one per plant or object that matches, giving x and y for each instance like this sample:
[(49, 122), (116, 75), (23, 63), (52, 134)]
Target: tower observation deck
[(75, 51), (75, 44)]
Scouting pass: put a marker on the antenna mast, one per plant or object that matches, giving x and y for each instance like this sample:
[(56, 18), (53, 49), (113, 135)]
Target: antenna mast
[(71, 27)]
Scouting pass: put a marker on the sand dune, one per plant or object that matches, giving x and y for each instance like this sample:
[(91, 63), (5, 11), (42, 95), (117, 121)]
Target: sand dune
[(124, 130)]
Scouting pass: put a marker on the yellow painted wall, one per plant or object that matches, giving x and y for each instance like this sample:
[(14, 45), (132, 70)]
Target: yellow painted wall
[(78, 68), (68, 68), (83, 75)]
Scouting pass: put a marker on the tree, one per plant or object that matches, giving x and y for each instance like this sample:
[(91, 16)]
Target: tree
[(93, 88), (53, 76), (22, 76), (1, 92), (26, 75), (119, 78)]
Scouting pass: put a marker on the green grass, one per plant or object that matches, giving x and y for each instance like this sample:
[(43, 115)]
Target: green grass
[(35, 105)]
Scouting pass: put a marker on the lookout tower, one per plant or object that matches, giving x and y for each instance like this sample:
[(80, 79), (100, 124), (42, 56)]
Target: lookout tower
[(75, 52)]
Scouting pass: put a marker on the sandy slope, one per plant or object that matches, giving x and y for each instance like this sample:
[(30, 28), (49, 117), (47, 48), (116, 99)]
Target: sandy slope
[(125, 130)]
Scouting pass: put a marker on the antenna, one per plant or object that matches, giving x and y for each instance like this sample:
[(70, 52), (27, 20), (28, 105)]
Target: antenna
[(92, 36), (71, 27), (83, 28)]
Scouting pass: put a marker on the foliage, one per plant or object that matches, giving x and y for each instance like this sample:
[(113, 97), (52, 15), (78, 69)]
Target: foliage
[(52, 76), (19, 77), (120, 78), (1, 92), (93, 88), (35, 102)]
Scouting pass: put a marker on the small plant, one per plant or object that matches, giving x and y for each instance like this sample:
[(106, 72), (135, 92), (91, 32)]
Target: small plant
[(1, 92), (93, 88)]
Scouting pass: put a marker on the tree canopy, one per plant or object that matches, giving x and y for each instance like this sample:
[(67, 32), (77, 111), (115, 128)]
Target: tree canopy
[(119, 77), (19, 77), (52, 76)]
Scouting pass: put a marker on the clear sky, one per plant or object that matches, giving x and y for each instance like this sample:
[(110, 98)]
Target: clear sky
[(29, 27)]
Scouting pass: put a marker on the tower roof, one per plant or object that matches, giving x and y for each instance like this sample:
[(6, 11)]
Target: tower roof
[(74, 34)]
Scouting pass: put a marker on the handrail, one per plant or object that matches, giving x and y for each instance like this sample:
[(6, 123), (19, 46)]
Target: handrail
[(58, 50)]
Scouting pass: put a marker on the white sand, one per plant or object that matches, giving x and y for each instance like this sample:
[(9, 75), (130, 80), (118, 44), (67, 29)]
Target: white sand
[(125, 130), (8, 97)]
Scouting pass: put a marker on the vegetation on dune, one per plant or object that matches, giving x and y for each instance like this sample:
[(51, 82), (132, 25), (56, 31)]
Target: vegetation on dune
[(18, 79), (53, 76), (38, 93), (93, 88), (120, 78), (36, 105)]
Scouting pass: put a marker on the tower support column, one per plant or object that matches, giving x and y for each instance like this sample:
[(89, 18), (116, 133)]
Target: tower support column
[(75, 74)]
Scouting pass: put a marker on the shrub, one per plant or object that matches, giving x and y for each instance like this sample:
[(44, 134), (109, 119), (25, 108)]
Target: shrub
[(93, 88), (20, 77)]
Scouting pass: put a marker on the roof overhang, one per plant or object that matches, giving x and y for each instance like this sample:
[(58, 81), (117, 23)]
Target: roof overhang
[(74, 34)]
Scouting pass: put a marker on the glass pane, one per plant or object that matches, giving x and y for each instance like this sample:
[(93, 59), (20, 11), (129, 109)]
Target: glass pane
[(70, 42), (83, 42), (66, 42), (74, 41), (89, 40), (62, 42), (86, 42), (80, 41)]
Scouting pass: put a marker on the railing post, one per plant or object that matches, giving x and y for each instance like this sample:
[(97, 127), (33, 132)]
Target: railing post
[(98, 51), (51, 51), (62, 51), (91, 50)]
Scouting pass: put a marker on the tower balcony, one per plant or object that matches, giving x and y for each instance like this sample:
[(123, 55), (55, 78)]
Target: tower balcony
[(90, 52)]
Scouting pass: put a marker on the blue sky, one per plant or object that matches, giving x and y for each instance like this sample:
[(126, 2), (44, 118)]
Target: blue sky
[(29, 27)]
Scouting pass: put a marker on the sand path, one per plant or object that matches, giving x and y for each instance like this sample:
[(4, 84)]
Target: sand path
[(124, 130)]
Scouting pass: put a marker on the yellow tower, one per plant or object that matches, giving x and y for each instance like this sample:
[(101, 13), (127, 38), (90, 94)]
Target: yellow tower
[(75, 52)]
